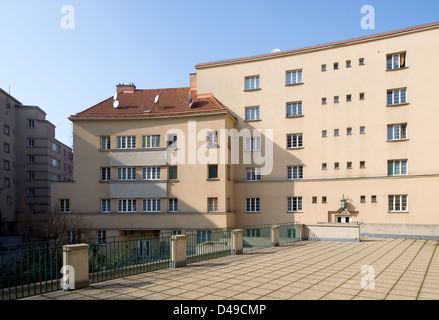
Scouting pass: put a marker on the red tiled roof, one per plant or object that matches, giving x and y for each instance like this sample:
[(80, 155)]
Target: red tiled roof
[(141, 104), (318, 47)]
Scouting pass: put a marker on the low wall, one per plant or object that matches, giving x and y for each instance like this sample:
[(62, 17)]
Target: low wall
[(331, 232), (419, 231)]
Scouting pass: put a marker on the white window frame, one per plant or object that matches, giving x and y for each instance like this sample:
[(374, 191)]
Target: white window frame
[(212, 139), (126, 205), (105, 205), (64, 205), (294, 77), (172, 141), (151, 141), (105, 174), (126, 174), (152, 205), (397, 132), (105, 143), (126, 142), (253, 174), (397, 167), (151, 173), (253, 144), (31, 143), (252, 113), (295, 141), (295, 173), (396, 203), (398, 96), (252, 205), (212, 204), (173, 205), (394, 61), (252, 83), (294, 109), (295, 204)]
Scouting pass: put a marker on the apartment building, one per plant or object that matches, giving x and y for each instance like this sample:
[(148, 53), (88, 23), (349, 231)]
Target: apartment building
[(344, 132), (31, 159)]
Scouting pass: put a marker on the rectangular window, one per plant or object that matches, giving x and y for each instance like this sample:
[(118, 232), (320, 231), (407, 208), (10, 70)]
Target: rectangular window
[(253, 144), (6, 130), (397, 132), (6, 165), (373, 199), (105, 205), (172, 173), (151, 205), (336, 99), (7, 182), (349, 165), (252, 83), (324, 67), (294, 77), (294, 141), (324, 133), (172, 141), (212, 139), (337, 165), (151, 173), (252, 205), (105, 143), (105, 174), (31, 176), (361, 62), (295, 204), (314, 200), (254, 174), (348, 98), (253, 233), (31, 123), (336, 132), (397, 167), (295, 173), (324, 166), (348, 63), (55, 147), (335, 65), (349, 131), (126, 142), (252, 114), (213, 171), (55, 163), (150, 142), (102, 236), (362, 130), (396, 61), (204, 236), (362, 164), (126, 205), (126, 174), (396, 96), (324, 199), (64, 205), (30, 143), (294, 109), (362, 96), (398, 203), (173, 205), (324, 101), (212, 204), (9, 201), (362, 199)]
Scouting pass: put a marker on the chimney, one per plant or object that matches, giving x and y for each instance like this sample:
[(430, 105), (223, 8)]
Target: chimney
[(125, 88), (193, 81)]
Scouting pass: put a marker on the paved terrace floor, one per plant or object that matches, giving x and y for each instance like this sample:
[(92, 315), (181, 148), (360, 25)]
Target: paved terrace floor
[(403, 269)]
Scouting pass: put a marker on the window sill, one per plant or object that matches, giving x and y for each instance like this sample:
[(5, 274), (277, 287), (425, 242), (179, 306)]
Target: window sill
[(397, 69), (294, 211), (295, 84), (400, 140), (299, 148), (294, 117), (398, 212), (212, 179), (173, 181), (252, 90), (256, 120), (256, 212), (397, 105)]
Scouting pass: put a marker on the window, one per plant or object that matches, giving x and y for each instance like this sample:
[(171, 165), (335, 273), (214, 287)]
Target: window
[(253, 233), (295, 204), (362, 199), (9, 201), (373, 199), (212, 139), (294, 141), (173, 205), (348, 63), (30, 159), (64, 205), (252, 114), (396, 61), (324, 166), (7, 182), (105, 143), (324, 199), (204, 236), (396, 97), (55, 147), (324, 101), (6, 164), (362, 164), (294, 109), (336, 99), (335, 65), (213, 171), (6, 147), (362, 96), (349, 165), (31, 208), (105, 174), (252, 83), (337, 165), (151, 173), (105, 205), (252, 205), (324, 133), (6, 130), (125, 174), (361, 62), (398, 203), (253, 144), (126, 205), (126, 142), (397, 167), (336, 132), (254, 174), (314, 199), (151, 205), (362, 130), (295, 173), (324, 67), (349, 131), (172, 173), (348, 97), (55, 163), (30, 143), (31, 123), (102, 236), (31, 192), (294, 77), (172, 141), (31, 176), (397, 132), (212, 204), (150, 142)]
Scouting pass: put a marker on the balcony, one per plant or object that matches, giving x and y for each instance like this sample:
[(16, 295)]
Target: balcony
[(138, 158)]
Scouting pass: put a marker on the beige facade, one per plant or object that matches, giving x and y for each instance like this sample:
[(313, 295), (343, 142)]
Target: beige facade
[(353, 121)]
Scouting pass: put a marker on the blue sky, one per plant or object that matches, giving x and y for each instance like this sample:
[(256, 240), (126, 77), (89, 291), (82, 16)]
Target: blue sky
[(156, 44)]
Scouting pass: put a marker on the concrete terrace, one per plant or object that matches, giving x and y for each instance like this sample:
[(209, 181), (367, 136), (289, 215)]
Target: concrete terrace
[(403, 269)]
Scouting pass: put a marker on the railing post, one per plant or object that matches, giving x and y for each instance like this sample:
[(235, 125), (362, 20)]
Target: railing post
[(237, 242), (275, 236), (178, 251), (75, 267)]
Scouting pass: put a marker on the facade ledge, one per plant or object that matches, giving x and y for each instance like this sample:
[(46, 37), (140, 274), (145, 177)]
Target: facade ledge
[(397, 105), (295, 84), (398, 69)]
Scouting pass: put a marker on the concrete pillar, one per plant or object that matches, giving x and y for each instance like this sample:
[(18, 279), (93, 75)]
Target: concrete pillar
[(178, 251), (75, 267), (237, 241), (275, 236)]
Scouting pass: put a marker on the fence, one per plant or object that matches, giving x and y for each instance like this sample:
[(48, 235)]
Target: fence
[(30, 269), (210, 244)]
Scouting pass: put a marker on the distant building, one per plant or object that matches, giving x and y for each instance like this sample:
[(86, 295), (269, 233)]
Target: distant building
[(31, 159)]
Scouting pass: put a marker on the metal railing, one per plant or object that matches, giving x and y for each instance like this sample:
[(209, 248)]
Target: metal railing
[(210, 244), (289, 233), (30, 269)]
